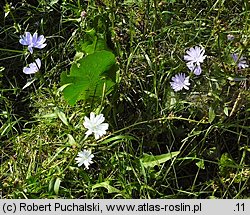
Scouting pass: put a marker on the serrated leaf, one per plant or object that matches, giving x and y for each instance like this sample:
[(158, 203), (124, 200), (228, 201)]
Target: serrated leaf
[(88, 77), (151, 160)]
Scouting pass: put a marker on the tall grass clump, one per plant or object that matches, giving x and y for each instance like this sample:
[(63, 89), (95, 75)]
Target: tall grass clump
[(124, 99)]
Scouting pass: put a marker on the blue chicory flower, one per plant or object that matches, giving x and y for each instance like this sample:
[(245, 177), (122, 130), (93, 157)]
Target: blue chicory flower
[(241, 63), (33, 67), (180, 81), (32, 41), (195, 56)]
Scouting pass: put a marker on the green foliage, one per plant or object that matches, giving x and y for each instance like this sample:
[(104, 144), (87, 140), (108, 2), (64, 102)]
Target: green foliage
[(151, 160), (57, 185), (226, 165), (107, 186), (160, 144), (92, 43), (89, 77)]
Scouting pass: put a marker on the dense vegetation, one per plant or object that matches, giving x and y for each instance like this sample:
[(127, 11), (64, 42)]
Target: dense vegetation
[(118, 58)]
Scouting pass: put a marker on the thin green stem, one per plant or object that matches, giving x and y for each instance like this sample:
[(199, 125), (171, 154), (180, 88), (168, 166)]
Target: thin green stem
[(11, 50)]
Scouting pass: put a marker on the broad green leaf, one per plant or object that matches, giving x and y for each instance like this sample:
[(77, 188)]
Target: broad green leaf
[(89, 76), (97, 44), (139, 2), (92, 42), (172, 99), (151, 160)]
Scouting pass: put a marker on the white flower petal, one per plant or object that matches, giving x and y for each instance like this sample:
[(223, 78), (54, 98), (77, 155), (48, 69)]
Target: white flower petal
[(88, 132), (99, 119), (103, 126), (38, 63), (92, 116), (97, 135)]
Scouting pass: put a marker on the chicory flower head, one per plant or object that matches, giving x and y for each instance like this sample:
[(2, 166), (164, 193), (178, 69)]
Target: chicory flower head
[(33, 67), (195, 56), (241, 63), (32, 41), (180, 81), (84, 157), (95, 125)]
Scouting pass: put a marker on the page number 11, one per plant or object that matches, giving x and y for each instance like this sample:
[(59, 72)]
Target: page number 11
[(240, 207)]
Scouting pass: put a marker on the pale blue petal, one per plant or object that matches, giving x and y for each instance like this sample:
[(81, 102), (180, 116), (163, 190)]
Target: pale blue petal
[(30, 49), (34, 38)]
